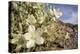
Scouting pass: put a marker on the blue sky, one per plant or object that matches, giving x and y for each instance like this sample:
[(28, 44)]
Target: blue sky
[(70, 12)]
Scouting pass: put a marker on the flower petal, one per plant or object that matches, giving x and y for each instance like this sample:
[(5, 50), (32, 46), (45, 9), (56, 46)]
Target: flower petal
[(39, 31), (39, 40), (31, 19), (14, 41), (30, 44), (27, 36), (31, 28), (57, 13), (41, 19), (51, 12), (54, 18)]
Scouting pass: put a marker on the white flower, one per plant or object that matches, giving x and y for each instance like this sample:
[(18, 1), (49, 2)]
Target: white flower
[(57, 13), (15, 39), (54, 18), (41, 19), (44, 28), (31, 19), (37, 6), (33, 36), (51, 12), (15, 5)]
